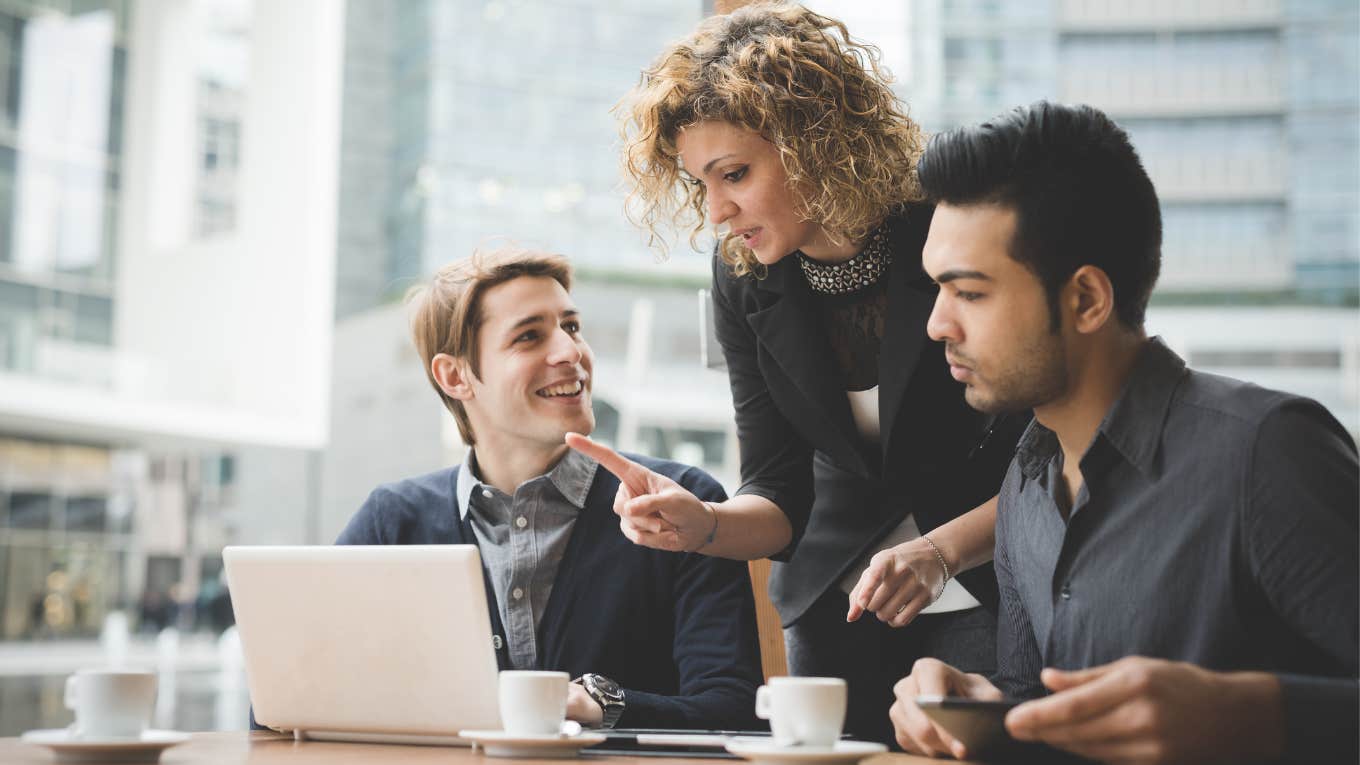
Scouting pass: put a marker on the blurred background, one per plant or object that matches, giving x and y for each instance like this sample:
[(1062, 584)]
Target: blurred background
[(209, 210)]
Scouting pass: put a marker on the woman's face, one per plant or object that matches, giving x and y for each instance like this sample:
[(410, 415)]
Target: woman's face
[(747, 190)]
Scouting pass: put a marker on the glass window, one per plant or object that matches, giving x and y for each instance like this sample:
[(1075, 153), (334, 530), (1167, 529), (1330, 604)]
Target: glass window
[(93, 320), (11, 58), (30, 510), (7, 202), (86, 513)]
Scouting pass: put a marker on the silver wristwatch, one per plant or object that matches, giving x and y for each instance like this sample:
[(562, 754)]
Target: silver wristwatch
[(606, 693)]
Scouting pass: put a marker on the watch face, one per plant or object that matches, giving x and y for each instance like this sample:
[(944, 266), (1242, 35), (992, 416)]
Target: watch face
[(606, 686)]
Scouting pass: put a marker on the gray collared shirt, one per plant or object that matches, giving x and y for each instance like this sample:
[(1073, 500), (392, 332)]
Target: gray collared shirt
[(1217, 525), (522, 540)]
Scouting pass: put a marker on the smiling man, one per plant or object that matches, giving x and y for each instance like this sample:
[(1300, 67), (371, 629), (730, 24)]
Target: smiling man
[(1176, 552), (654, 638)]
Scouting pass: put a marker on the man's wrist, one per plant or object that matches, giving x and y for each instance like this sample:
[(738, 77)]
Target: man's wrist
[(606, 694), (1256, 716), (582, 707)]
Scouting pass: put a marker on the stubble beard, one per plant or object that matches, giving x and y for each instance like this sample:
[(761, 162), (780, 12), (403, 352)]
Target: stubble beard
[(1036, 375)]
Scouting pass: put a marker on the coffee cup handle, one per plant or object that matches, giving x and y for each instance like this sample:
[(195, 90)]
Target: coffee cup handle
[(763, 702), (68, 699)]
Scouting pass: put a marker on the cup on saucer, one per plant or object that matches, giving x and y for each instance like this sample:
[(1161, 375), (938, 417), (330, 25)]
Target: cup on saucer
[(803, 711), (533, 703), (110, 704)]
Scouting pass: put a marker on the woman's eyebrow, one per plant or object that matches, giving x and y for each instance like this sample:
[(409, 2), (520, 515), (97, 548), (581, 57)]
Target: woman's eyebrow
[(715, 161)]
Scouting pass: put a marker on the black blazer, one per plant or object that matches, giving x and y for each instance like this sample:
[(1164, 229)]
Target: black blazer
[(937, 457)]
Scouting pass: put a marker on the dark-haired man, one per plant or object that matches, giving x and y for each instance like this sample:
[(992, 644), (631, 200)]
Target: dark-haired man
[(1176, 551)]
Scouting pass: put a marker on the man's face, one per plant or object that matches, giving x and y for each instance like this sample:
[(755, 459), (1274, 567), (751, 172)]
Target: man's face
[(533, 384), (991, 313)]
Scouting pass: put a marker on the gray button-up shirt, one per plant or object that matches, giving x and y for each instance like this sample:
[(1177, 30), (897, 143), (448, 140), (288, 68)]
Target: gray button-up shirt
[(1217, 525), (522, 540)]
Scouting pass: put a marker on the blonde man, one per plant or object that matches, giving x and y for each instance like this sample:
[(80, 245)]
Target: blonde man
[(655, 639)]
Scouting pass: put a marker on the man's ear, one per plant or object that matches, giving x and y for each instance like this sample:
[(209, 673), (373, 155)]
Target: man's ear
[(1089, 295), (452, 375)]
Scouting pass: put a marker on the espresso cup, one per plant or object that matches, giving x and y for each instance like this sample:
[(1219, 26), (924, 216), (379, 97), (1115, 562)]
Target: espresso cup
[(533, 703), (806, 711), (110, 703)]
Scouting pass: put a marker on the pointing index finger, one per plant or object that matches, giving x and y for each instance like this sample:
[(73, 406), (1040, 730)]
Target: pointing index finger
[(633, 475)]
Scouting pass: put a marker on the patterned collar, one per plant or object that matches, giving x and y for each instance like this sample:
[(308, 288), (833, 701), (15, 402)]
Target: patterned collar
[(855, 274), (572, 476)]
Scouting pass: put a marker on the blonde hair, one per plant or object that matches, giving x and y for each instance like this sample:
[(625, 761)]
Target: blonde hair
[(798, 80), (446, 314)]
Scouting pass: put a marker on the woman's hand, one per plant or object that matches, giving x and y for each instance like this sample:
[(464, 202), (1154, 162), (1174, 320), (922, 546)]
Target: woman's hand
[(899, 582), (653, 510)]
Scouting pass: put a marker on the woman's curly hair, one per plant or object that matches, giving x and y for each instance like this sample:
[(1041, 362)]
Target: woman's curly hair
[(799, 80)]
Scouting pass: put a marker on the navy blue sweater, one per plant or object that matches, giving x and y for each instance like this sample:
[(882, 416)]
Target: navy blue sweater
[(676, 630)]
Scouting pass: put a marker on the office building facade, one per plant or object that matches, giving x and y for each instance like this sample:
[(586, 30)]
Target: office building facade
[(1245, 112)]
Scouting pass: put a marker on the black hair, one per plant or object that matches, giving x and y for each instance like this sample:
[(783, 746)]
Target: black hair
[(1080, 194)]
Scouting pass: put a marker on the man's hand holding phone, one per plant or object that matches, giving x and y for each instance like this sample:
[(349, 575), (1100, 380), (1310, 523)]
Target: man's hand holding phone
[(1135, 710), (915, 731)]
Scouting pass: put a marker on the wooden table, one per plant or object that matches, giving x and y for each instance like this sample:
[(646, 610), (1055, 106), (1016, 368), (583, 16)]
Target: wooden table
[(274, 749)]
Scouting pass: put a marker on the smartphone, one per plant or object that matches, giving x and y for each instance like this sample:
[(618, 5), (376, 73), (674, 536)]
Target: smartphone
[(979, 724)]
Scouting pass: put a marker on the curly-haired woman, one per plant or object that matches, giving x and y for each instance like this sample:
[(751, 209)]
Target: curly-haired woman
[(863, 470)]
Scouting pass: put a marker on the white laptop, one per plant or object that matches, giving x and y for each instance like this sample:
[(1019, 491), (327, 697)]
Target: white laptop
[(386, 643)]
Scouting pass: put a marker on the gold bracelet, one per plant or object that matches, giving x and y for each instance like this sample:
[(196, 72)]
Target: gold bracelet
[(940, 557)]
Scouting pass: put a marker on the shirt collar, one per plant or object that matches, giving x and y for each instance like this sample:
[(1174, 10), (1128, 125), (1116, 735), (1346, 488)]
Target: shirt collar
[(1133, 425), (571, 476), (467, 482), (1036, 448)]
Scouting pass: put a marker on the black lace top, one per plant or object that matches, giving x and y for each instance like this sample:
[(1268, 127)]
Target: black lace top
[(853, 300)]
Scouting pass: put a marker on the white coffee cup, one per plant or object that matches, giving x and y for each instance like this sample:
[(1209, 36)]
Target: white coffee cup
[(110, 703), (807, 711), (533, 703)]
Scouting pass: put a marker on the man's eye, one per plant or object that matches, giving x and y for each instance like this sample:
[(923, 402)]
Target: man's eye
[(572, 327), (735, 175), (527, 336), (969, 296)]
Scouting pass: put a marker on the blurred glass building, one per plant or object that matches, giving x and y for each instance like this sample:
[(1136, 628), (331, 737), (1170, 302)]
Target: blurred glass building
[(1246, 113), (466, 120), (62, 84), (142, 292)]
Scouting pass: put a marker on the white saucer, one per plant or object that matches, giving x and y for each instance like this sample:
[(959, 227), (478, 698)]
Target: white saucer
[(766, 751), (145, 748), (498, 743)]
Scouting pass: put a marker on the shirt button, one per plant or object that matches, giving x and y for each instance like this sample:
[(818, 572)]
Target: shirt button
[(517, 593), (521, 521), (496, 642), (1066, 591), (486, 493)]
